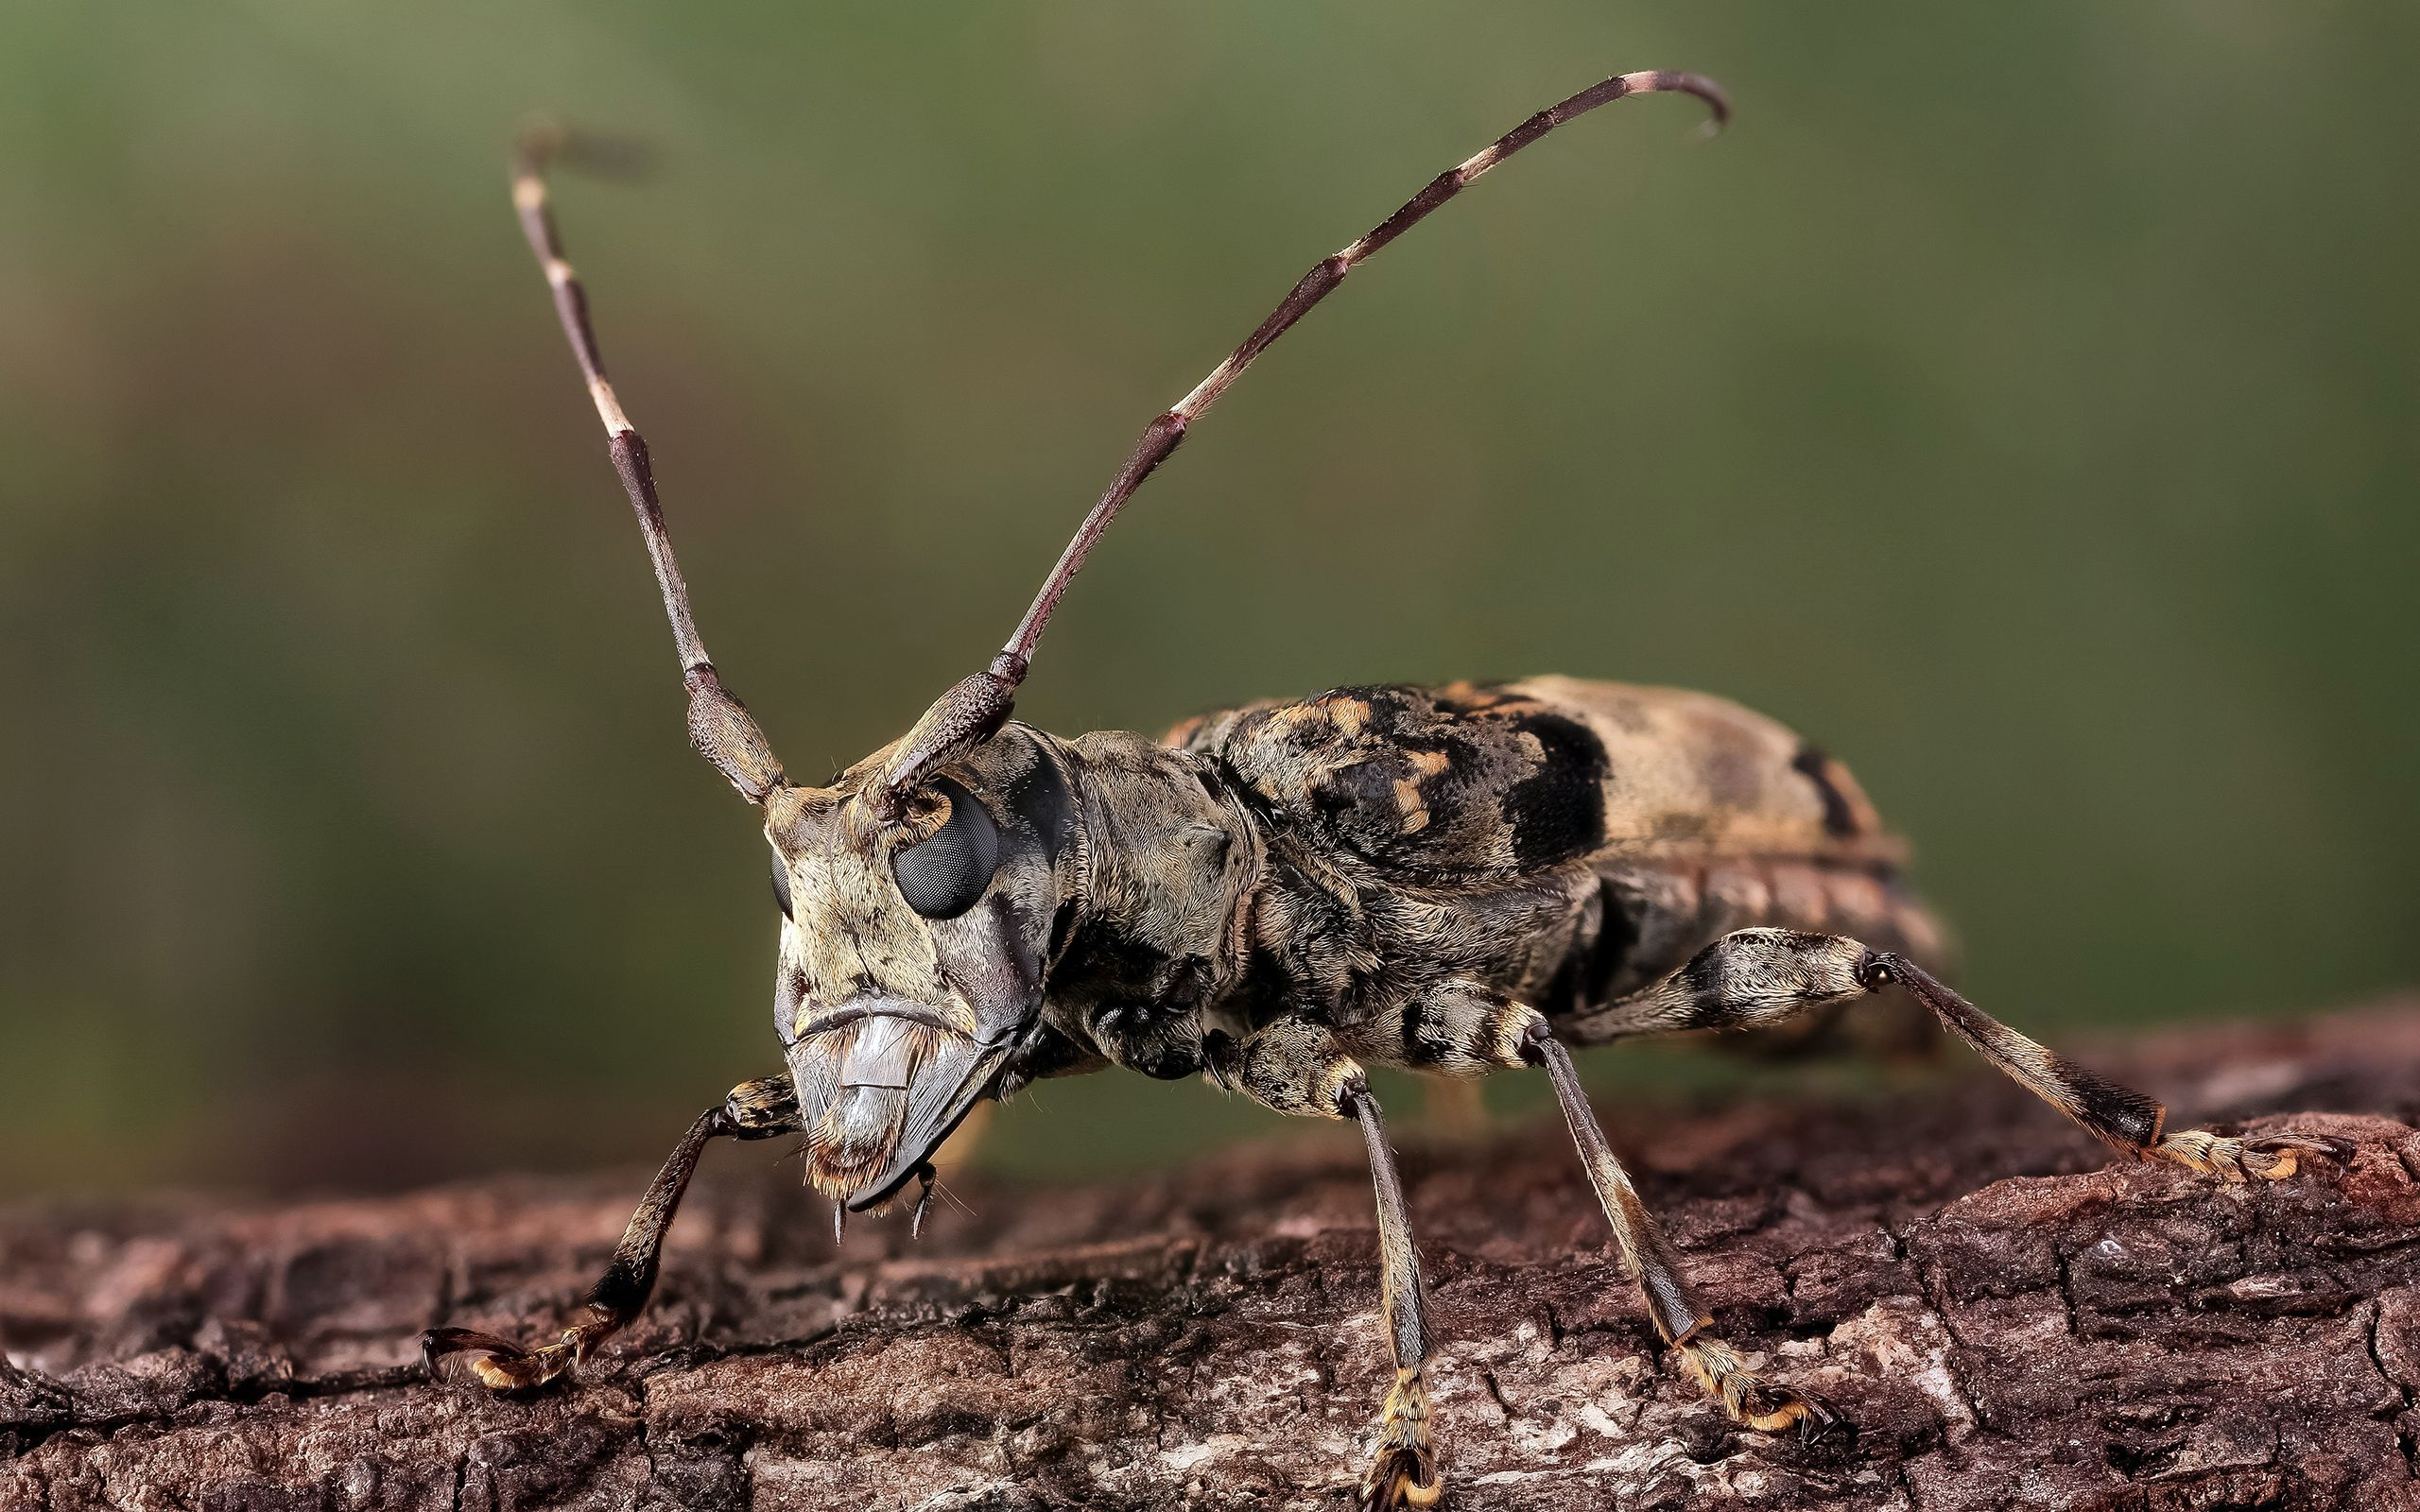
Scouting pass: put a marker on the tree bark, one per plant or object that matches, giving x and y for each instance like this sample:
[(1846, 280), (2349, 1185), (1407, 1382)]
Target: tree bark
[(2004, 1319)]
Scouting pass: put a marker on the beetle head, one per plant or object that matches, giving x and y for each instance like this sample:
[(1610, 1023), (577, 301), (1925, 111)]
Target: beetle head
[(913, 951)]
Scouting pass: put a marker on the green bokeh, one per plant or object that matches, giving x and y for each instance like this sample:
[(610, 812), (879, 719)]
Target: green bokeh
[(2020, 401)]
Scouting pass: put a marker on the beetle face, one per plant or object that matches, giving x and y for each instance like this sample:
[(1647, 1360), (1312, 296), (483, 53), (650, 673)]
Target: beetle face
[(912, 954)]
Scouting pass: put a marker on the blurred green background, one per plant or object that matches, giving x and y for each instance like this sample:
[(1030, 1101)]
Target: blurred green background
[(2020, 401)]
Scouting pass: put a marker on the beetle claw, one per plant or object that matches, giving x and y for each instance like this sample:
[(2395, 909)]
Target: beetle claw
[(496, 1363)]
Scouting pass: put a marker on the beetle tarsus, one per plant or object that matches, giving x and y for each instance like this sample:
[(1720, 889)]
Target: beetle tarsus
[(1403, 1468), (1749, 1399), (499, 1363), (2268, 1157)]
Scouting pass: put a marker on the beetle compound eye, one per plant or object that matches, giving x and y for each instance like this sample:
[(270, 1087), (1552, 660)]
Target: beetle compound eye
[(782, 884), (942, 877)]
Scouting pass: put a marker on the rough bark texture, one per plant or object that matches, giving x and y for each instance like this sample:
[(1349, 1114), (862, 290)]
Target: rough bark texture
[(2007, 1321)]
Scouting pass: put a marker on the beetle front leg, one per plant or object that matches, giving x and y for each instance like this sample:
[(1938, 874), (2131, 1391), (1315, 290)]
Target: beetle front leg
[(753, 1110), (1297, 1067)]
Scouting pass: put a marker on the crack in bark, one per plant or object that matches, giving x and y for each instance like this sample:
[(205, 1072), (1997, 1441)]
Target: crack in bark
[(2405, 1434), (2067, 1292)]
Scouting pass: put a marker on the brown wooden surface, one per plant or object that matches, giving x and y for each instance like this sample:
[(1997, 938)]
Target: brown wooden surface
[(2007, 1319)]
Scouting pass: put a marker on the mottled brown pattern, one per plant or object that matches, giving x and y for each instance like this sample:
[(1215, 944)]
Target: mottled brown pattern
[(1557, 841), (1454, 782)]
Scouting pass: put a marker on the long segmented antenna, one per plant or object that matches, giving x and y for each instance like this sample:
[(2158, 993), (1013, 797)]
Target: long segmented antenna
[(973, 709), (719, 725)]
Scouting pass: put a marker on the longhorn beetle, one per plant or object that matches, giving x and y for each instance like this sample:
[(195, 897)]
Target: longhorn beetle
[(1454, 880)]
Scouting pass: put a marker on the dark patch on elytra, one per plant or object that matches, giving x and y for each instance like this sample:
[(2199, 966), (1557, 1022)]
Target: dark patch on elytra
[(1557, 812), (1434, 781), (1348, 794), (1840, 819)]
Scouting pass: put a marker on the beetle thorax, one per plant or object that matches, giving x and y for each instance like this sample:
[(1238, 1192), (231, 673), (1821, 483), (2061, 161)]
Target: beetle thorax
[(1159, 941)]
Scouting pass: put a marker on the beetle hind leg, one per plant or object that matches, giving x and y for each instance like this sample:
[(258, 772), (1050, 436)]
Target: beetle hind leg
[(1752, 978)]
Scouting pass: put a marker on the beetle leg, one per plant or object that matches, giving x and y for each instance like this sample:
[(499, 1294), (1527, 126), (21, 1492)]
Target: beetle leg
[(1292, 1065), (1463, 1029), (753, 1110), (1296, 1067), (1454, 1028), (1754, 977), (1458, 1031), (1680, 1317), (1403, 1468)]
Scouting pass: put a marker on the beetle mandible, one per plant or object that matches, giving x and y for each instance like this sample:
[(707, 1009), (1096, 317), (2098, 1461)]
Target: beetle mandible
[(1454, 880)]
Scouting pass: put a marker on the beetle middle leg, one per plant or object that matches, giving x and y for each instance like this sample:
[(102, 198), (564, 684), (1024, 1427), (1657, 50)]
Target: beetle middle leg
[(1297, 1067), (1680, 1317), (1754, 977), (1462, 1029), (753, 1110)]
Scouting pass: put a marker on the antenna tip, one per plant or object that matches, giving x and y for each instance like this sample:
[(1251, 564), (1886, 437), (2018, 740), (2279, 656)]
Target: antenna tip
[(543, 141), (1717, 102)]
